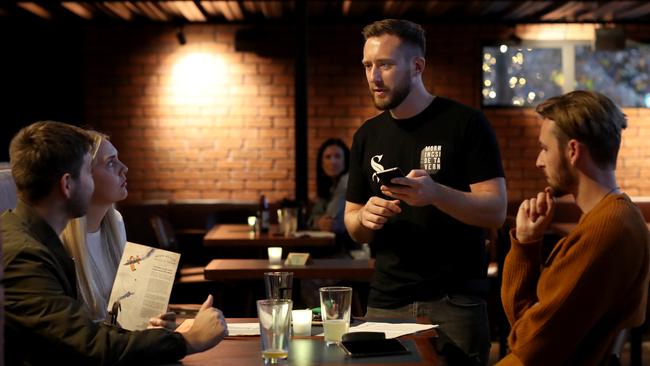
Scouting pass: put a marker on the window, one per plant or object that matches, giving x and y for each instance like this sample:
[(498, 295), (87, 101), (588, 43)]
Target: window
[(521, 76), (622, 75), (524, 75)]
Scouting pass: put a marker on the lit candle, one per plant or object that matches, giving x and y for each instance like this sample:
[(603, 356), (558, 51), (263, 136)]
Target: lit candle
[(275, 255), (252, 221), (301, 322)]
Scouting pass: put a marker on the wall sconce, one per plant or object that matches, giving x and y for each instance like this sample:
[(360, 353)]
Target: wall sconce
[(180, 36)]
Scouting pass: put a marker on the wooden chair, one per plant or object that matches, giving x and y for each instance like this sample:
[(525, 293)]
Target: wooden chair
[(614, 357), (8, 199), (8, 193), (498, 247), (166, 238)]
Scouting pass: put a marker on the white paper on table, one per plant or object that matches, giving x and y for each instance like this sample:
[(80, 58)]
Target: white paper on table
[(243, 329), (392, 330), (143, 284), (234, 329)]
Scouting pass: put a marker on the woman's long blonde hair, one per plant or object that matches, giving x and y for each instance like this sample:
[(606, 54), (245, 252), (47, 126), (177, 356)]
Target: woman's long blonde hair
[(74, 239)]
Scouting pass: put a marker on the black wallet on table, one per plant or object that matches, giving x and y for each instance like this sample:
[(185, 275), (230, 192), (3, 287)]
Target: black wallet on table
[(371, 344)]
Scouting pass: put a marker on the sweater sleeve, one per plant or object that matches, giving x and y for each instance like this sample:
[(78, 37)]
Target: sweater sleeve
[(40, 314), (574, 290), (520, 274)]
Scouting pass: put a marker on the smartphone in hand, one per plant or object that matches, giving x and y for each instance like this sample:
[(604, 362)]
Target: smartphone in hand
[(386, 175)]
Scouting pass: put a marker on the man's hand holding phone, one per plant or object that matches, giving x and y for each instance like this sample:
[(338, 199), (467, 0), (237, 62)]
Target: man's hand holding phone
[(416, 189), (386, 176)]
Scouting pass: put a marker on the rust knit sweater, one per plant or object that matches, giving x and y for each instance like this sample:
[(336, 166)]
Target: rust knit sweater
[(568, 309)]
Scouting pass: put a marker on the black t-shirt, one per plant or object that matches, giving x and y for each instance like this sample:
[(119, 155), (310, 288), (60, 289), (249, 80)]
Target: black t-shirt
[(422, 252)]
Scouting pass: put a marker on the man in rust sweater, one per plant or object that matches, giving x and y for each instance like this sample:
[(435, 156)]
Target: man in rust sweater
[(568, 308)]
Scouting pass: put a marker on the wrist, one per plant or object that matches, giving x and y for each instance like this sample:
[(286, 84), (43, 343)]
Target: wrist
[(433, 201), (524, 238), (359, 219), (188, 343)]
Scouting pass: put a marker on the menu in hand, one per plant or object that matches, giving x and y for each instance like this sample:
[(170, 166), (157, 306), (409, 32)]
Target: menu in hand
[(143, 284)]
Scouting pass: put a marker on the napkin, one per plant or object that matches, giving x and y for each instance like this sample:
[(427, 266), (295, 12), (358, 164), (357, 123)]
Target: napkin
[(392, 330)]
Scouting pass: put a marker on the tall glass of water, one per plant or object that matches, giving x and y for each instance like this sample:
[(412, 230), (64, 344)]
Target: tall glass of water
[(275, 322)]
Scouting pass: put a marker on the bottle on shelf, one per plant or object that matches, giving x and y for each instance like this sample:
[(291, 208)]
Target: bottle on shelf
[(263, 213)]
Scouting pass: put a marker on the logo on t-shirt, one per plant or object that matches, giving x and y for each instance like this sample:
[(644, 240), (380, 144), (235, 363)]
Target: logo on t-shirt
[(374, 164), (430, 158)]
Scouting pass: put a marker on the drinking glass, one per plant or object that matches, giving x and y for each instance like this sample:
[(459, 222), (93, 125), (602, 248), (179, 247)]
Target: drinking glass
[(335, 310), (275, 323), (278, 285)]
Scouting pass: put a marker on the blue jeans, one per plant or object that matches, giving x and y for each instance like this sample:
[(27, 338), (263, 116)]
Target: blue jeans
[(462, 317)]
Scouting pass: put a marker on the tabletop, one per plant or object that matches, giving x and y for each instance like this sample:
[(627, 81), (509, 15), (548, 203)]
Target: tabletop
[(244, 351), (339, 269), (239, 235)]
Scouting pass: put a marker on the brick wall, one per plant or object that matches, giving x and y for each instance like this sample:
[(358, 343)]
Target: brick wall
[(234, 138)]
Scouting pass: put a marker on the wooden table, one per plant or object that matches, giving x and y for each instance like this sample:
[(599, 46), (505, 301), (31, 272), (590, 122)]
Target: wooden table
[(245, 351), (339, 269), (238, 235)]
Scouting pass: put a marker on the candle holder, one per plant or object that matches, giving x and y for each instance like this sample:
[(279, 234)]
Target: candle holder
[(252, 223), (301, 322), (275, 255)]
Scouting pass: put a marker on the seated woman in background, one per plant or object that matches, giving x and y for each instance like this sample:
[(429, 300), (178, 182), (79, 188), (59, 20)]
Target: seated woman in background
[(332, 166), (97, 240)]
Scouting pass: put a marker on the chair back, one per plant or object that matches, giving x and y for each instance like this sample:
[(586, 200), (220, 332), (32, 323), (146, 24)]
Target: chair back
[(8, 199), (164, 232), (613, 358), (8, 192)]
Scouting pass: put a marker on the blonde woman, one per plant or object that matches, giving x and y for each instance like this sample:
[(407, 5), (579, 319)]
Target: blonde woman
[(96, 241)]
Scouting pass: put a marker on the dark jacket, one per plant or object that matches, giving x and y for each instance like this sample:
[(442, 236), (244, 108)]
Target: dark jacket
[(45, 322)]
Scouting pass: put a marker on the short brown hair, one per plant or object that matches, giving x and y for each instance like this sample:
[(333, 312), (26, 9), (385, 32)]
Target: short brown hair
[(41, 153), (406, 31), (592, 119)]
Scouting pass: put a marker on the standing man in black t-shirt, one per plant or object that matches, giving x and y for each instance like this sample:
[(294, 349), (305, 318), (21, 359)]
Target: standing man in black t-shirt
[(426, 229)]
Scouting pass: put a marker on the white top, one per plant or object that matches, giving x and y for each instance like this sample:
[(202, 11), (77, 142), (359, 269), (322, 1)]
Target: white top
[(103, 268)]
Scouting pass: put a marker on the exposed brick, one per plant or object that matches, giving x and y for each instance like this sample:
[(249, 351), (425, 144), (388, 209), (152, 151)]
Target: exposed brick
[(260, 185), (236, 139)]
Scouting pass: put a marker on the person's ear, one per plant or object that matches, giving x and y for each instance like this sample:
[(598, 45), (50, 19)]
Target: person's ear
[(419, 63), (65, 185), (574, 151)]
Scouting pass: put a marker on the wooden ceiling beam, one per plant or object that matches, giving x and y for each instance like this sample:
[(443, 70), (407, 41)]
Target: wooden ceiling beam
[(152, 11), (606, 11), (119, 9), (189, 10), (78, 9), (235, 9), (276, 8), (642, 10), (495, 7), (527, 9), (345, 7), (35, 9), (439, 8), (569, 11)]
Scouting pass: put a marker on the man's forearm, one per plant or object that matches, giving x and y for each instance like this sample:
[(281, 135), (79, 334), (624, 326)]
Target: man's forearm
[(482, 208)]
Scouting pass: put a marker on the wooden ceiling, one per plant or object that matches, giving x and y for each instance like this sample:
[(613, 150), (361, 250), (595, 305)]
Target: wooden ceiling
[(248, 11)]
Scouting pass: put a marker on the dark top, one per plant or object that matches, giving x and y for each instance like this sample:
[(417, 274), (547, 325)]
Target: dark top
[(45, 322), (422, 252)]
